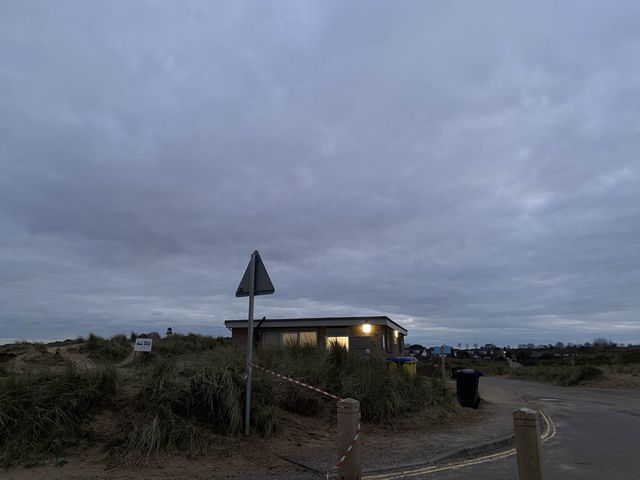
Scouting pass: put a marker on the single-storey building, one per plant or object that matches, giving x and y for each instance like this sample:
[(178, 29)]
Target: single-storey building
[(364, 334)]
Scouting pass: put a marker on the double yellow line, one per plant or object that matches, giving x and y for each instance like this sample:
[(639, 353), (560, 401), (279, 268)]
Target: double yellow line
[(549, 433)]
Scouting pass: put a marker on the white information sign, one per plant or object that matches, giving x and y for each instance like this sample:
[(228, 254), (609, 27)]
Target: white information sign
[(143, 344)]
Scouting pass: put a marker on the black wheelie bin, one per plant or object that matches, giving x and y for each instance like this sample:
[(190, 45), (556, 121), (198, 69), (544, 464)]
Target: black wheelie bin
[(467, 381)]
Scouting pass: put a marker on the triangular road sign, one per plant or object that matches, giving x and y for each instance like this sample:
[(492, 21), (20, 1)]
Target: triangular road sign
[(262, 286)]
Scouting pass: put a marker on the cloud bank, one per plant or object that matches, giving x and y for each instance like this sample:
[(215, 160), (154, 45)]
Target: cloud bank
[(471, 170)]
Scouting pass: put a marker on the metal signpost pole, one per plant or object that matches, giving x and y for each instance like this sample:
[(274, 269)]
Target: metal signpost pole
[(247, 411), (255, 281)]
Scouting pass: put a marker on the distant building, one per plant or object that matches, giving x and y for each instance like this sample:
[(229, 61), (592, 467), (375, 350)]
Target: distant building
[(364, 334), (415, 350)]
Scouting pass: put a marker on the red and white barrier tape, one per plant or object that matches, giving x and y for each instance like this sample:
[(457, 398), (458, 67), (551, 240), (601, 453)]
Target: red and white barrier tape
[(310, 387), (351, 446), (297, 382)]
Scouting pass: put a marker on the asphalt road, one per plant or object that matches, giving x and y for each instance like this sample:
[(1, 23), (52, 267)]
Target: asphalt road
[(598, 434)]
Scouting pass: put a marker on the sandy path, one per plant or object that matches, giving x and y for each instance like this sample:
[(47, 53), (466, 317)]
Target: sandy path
[(79, 360)]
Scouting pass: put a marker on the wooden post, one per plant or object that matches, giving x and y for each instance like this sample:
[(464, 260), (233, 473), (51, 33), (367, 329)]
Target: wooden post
[(348, 450), (529, 453), (444, 377)]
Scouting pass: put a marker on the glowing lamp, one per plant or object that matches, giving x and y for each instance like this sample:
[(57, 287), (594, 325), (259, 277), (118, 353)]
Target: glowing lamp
[(366, 328)]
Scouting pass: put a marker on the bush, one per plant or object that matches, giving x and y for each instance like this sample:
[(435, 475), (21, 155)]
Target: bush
[(157, 421), (383, 392), (586, 374), (215, 397), (12, 350), (630, 356), (185, 408), (115, 349), (42, 415), (64, 343), (177, 344), (265, 420), (567, 376)]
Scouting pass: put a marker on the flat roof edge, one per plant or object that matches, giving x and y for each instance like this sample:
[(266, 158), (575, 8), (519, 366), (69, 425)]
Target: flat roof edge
[(312, 321)]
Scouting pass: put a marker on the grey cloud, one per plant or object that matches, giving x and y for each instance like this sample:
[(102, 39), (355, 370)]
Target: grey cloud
[(471, 170)]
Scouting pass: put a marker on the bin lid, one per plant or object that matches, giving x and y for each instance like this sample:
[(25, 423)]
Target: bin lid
[(401, 359), (469, 371)]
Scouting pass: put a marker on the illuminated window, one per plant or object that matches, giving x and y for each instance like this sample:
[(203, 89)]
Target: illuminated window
[(308, 338), (342, 341), (289, 338)]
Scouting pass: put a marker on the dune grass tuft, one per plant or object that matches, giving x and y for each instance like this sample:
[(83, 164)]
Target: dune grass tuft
[(114, 349), (185, 408), (384, 393), (560, 375), (41, 415)]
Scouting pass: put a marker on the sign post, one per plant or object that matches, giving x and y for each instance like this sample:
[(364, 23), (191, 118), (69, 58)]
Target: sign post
[(443, 351), (142, 345), (255, 281)]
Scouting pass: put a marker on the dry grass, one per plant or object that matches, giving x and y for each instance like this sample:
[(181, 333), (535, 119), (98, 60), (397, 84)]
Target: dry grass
[(114, 349), (384, 393), (41, 415), (560, 375), (185, 408), (189, 398)]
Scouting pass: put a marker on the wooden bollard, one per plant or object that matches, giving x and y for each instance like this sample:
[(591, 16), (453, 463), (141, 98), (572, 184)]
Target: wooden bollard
[(529, 453), (348, 449)]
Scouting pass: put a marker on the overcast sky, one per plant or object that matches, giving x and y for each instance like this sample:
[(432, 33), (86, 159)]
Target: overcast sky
[(470, 169)]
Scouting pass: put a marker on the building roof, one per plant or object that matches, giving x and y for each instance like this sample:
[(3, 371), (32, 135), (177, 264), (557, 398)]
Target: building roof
[(318, 322)]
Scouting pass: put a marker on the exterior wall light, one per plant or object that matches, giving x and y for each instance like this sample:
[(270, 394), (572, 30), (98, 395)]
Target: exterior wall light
[(395, 333), (366, 328)]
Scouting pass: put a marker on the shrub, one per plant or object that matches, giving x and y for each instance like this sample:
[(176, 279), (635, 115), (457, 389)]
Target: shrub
[(264, 419), (215, 397), (68, 341), (586, 374), (630, 356), (156, 432), (301, 362), (177, 344), (185, 408), (115, 349), (157, 422), (383, 392), (12, 350), (42, 415), (567, 376)]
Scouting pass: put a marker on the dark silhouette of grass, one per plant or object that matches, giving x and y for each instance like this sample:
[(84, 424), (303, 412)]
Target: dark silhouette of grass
[(41, 415), (188, 397), (114, 349)]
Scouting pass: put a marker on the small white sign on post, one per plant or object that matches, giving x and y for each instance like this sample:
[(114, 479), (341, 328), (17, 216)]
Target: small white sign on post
[(143, 345)]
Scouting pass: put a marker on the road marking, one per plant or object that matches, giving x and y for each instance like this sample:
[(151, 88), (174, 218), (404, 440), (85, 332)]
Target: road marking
[(549, 433)]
